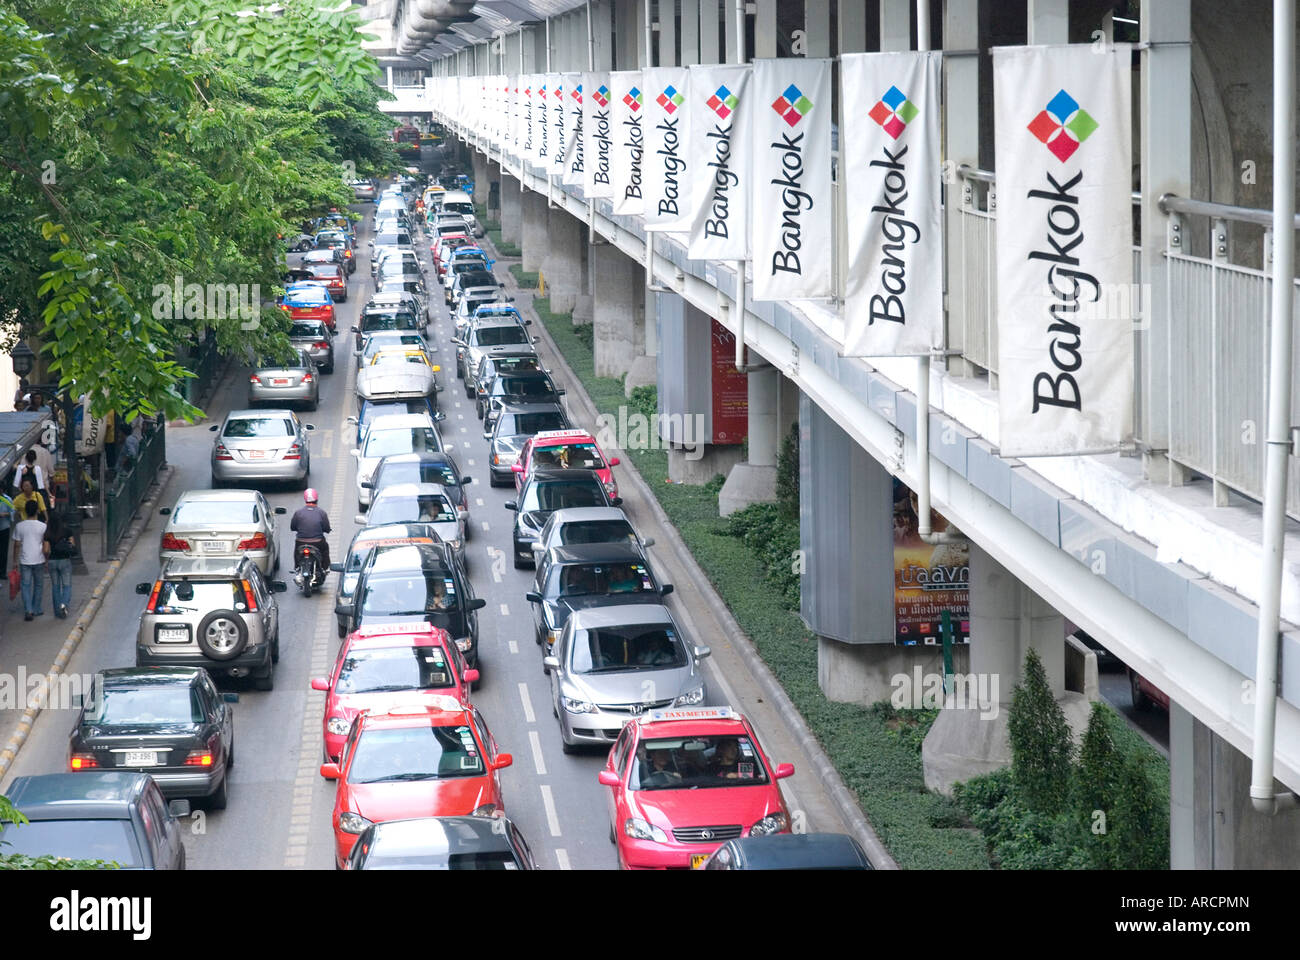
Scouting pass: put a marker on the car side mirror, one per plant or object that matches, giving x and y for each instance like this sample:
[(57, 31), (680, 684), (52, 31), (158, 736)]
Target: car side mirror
[(367, 485), (143, 589), (608, 778), (502, 761), (784, 770), (613, 461), (213, 428), (702, 652), (616, 502), (550, 663), (360, 518), (280, 511), (511, 505), (439, 416), (478, 603), (165, 511), (535, 340), (471, 675), (355, 451), (279, 586), (487, 434), (516, 467), (466, 480), (336, 567), (648, 542), (310, 426), (178, 808), (321, 683), (330, 771), (532, 596), (230, 697), (666, 589)]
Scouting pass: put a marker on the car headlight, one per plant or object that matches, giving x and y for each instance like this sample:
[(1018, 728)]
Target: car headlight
[(638, 829), (487, 810), (690, 698), (352, 822), (454, 544), (338, 726), (465, 644), (577, 706), (772, 823), (551, 637)]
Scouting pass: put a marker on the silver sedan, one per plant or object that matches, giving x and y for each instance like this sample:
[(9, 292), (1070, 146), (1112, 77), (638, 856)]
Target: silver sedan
[(261, 445), (297, 381), (221, 523)]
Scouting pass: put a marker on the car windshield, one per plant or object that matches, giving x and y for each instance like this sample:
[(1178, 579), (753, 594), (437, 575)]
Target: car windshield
[(469, 265), (302, 331), (395, 668), (619, 649), (107, 840), (441, 860), (396, 239), (190, 596), (597, 531), (409, 594), (562, 494), (506, 365), (516, 388), (214, 512), (584, 579), (410, 286), (415, 753), (520, 423), (149, 703), (577, 455), (477, 278), (329, 270), (452, 206), (393, 320), (387, 443), (425, 508), (423, 471), (692, 762), (247, 427)]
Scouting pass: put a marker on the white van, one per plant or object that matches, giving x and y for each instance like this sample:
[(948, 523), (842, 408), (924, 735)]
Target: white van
[(458, 201)]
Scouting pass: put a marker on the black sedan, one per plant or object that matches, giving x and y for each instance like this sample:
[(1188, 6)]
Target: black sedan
[(168, 722), (589, 575), (442, 843), (508, 389), (549, 489), (789, 851)]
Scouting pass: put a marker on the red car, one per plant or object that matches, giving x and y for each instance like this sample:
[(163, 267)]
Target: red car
[(434, 760), (309, 300), (1145, 693), (384, 666), (575, 449), (684, 781), (331, 275)]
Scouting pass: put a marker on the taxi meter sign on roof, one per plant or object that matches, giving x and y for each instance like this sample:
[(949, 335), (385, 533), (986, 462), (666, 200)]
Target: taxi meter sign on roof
[(692, 713)]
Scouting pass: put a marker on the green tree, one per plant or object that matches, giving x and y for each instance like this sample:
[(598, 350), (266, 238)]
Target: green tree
[(1099, 768), (1040, 742)]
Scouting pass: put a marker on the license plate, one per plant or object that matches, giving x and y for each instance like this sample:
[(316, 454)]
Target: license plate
[(141, 758), (213, 546), (697, 859), (256, 454), (279, 381), (173, 635)]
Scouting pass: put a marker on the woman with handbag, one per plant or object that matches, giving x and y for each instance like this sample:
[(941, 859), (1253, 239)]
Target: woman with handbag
[(62, 549)]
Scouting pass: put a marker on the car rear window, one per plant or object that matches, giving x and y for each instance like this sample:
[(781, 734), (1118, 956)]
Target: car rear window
[(521, 423), (307, 294), (198, 596), (597, 531), (330, 270), (500, 336), (582, 579), (175, 703), (524, 388), (389, 321), (249, 427), (393, 240), (301, 331), (216, 512), (108, 840), (387, 443), (478, 278)]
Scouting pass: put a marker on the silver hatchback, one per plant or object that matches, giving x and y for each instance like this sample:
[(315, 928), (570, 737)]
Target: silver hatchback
[(297, 381), (254, 445), (314, 337)]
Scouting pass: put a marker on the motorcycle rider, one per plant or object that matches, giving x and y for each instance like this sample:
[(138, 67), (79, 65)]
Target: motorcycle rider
[(310, 523)]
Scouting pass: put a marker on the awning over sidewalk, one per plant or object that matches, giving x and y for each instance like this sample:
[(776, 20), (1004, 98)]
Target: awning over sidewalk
[(18, 432)]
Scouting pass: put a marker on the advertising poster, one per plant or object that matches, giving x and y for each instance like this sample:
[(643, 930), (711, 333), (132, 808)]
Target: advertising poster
[(928, 578), (730, 389)]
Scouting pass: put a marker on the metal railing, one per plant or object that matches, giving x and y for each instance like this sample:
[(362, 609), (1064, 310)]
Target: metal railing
[(129, 486)]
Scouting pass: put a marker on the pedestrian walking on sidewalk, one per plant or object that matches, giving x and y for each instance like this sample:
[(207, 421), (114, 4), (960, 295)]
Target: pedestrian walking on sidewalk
[(7, 519), (62, 548), (30, 552)]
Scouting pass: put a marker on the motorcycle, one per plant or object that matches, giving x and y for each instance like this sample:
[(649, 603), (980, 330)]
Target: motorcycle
[(311, 570)]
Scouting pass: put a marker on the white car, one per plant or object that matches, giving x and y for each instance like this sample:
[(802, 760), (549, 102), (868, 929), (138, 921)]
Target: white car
[(420, 503), (458, 201), (397, 374), (388, 436)]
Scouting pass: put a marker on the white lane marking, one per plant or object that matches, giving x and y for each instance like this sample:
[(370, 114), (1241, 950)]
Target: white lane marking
[(471, 463), (529, 716), (485, 525), (505, 611), (562, 858), (463, 430), (478, 501), (514, 647), (536, 741), (466, 444), (457, 402), (549, 803)]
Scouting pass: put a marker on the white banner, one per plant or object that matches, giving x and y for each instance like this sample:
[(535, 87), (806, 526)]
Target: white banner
[(628, 101), (559, 121), (573, 144), (529, 129), (598, 133), (1064, 161), (542, 119), (512, 114), (721, 168), (892, 183), (792, 222), (667, 164)]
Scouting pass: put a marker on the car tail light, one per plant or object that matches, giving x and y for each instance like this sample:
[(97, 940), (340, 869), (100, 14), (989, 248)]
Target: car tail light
[(82, 761), (249, 597), (199, 758), (173, 542), (254, 378), (306, 378), (295, 452), (320, 345), (153, 597), (223, 453), (256, 542), (347, 253)]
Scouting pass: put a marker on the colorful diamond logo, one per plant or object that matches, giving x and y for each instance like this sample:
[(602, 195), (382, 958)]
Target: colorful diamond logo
[(559, 92), (792, 105), (601, 96), (670, 99), (576, 93), (723, 102), (894, 112), (1063, 126), (633, 99)]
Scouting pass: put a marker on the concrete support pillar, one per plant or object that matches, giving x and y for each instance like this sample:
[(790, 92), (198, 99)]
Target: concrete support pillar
[(619, 337), (729, 34), (562, 262), (667, 20), (645, 366), (536, 228), (1212, 824), (895, 25), (511, 211), (817, 24), (627, 38), (690, 32), (754, 481), (480, 166)]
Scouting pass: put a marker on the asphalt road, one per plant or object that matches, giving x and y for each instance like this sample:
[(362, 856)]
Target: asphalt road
[(279, 815)]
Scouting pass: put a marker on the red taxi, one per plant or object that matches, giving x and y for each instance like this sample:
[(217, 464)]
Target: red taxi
[(576, 449), (383, 666), (684, 781), (435, 760)]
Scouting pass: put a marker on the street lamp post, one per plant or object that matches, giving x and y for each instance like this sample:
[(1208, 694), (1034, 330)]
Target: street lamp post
[(24, 362)]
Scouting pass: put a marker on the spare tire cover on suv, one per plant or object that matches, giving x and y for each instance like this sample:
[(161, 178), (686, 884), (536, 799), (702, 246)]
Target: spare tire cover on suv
[(222, 635)]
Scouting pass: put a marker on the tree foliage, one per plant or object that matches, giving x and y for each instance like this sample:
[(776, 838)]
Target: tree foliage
[(9, 814), (1041, 747), (146, 140)]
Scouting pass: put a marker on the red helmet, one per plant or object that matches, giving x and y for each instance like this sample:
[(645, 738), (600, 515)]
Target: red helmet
[(310, 495)]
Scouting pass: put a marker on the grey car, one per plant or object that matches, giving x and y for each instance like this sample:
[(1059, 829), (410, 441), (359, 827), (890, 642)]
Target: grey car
[(279, 384), (217, 614), (516, 423), (488, 336), (576, 525), (221, 523), (425, 503), (474, 285), (611, 664), (314, 337), (261, 445)]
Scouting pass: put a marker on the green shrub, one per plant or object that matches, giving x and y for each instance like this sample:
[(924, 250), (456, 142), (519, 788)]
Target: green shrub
[(586, 334), (644, 400), (773, 537), (1041, 747), (1097, 783), (527, 279)]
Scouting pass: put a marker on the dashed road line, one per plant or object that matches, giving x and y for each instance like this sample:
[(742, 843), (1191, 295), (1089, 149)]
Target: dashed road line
[(478, 501), (514, 647), (549, 803), (529, 716), (505, 610), (562, 858), (486, 526)]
